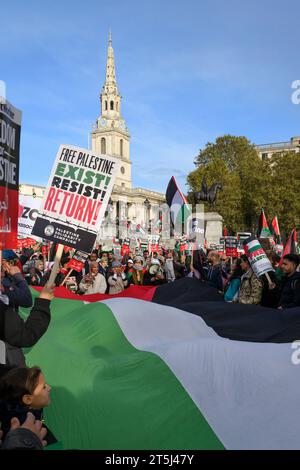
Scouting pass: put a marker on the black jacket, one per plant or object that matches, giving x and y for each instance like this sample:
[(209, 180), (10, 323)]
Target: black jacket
[(24, 333), (21, 439), (290, 291)]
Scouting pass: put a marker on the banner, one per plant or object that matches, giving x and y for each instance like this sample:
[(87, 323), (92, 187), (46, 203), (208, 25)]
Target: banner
[(258, 259), (76, 197), (10, 132), (28, 211)]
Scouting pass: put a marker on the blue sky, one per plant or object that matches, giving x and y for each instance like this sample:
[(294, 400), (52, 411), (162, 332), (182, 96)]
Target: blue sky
[(189, 71)]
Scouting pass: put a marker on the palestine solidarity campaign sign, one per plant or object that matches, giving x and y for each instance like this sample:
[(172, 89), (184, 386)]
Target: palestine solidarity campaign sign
[(10, 131), (76, 197)]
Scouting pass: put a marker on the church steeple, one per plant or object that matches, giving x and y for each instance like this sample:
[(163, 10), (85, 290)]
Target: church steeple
[(110, 96), (110, 134)]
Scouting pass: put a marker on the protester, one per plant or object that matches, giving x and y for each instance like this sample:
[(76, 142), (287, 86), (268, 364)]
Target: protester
[(136, 276), (93, 282), (14, 288), (117, 281), (232, 290), (251, 287), (290, 287), (17, 333), (103, 266), (215, 274), (154, 276)]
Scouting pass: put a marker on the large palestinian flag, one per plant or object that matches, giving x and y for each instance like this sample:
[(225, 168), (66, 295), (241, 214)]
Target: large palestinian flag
[(137, 373)]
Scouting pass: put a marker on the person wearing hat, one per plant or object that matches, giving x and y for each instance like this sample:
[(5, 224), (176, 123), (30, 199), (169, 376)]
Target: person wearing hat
[(14, 289), (117, 281), (129, 270), (154, 276)]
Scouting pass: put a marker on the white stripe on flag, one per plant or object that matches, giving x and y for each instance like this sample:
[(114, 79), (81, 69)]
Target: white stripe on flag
[(248, 392)]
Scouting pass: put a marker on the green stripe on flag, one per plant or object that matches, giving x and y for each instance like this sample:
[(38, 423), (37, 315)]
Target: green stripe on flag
[(106, 394), (254, 248)]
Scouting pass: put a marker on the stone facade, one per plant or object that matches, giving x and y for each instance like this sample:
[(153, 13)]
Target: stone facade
[(266, 151)]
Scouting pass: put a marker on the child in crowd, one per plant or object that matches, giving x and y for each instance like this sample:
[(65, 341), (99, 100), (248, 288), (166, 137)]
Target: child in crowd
[(23, 389)]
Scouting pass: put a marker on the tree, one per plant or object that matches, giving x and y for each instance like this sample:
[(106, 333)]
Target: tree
[(282, 196), (235, 163)]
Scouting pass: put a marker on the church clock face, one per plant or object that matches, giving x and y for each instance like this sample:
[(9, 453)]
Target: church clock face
[(103, 122)]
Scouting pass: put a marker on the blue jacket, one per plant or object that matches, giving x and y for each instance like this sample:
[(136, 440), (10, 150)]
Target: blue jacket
[(233, 288), (17, 290)]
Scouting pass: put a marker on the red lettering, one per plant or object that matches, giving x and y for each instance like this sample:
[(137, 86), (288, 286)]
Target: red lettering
[(89, 211), (79, 210), (48, 203), (56, 199)]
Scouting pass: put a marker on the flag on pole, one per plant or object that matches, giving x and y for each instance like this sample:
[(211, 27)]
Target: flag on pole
[(290, 246), (263, 227), (179, 209), (274, 229)]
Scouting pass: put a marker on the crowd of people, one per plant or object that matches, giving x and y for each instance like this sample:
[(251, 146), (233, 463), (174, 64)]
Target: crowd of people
[(24, 391)]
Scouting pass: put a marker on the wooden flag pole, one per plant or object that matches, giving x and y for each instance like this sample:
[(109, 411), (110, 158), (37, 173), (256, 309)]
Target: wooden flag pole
[(68, 275), (55, 268)]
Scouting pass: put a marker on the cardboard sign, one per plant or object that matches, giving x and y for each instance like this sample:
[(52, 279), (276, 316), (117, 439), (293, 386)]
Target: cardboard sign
[(10, 131), (125, 246), (76, 197), (76, 265), (26, 242), (258, 259), (231, 244), (153, 241), (80, 256)]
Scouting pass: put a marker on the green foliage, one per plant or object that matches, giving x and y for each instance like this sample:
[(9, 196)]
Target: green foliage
[(249, 183)]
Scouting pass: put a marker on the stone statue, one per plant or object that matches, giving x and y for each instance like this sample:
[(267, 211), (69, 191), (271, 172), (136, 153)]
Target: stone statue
[(209, 195)]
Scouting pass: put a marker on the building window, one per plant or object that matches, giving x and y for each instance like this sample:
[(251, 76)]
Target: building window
[(111, 105), (103, 146), (122, 170), (105, 105), (264, 156), (121, 147)]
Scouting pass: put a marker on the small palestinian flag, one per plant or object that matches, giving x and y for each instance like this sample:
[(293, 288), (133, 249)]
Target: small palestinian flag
[(179, 209), (263, 228), (274, 229)]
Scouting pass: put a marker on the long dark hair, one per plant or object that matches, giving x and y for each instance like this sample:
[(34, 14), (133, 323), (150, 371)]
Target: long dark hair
[(237, 272)]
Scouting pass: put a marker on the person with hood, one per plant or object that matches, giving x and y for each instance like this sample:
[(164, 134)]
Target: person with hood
[(154, 276), (14, 288), (117, 281), (138, 270), (290, 286)]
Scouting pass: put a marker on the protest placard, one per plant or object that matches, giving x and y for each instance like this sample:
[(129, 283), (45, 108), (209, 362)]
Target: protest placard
[(125, 249), (153, 241), (258, 259), (28, 211), (10, 131), (231, 244), (76, 197)]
